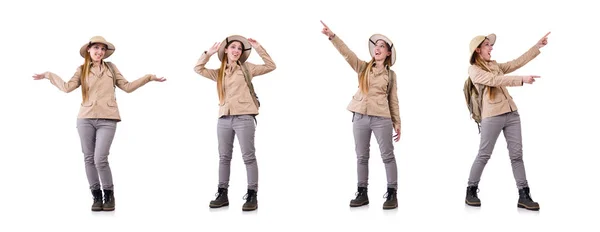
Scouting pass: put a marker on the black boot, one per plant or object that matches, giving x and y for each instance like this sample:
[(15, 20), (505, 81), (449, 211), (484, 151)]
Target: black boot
[(361, 198), (391, 201), (525, 200), (221, 200), (97, 205), (251, 201), (472, 198), (109, 200)]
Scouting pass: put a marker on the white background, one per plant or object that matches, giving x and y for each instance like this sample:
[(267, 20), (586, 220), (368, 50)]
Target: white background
[(164, 157)]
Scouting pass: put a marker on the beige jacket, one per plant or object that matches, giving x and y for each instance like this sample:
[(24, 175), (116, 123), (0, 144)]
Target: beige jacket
[(101, 101), (375, 102), (501, 102), (237, 100)]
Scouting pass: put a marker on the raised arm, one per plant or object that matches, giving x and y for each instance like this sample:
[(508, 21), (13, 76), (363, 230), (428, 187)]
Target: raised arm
[(515, 64), (348, 54), (269, 65), (200, 65)]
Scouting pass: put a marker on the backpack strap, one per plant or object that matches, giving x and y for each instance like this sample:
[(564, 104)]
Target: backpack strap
[(391, 82), (250, 86), (112, 70)]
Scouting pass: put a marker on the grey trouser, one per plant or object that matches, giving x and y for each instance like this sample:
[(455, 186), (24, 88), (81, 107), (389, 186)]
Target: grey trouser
[(244, 127), (510, 123), (96, 137), (382, 127)]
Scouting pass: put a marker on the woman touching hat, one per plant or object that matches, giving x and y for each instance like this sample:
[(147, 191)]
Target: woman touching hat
[(238, 106)]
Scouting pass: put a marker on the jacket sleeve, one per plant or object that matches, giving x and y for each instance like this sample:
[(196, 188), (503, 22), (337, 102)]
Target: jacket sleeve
[(127, 86), (269, 65), (480, 76), (394, 104), (66, 87), (348, 54), (203, 71), (515, 64)]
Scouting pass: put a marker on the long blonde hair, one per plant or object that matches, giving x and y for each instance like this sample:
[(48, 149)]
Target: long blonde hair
[(220, 77), (85, 70), (363, 80), (477, 60)]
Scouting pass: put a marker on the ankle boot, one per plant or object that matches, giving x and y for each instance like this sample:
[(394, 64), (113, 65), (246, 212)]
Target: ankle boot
[(221, 200), (361, 198), (525, 200), (391, 201), (97, 205), (109, 200), (251, 201), (472, 198)]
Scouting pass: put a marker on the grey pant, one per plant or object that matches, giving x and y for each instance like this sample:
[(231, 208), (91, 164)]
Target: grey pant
[(244, 127), (382, 127), (491, 127), (96, 137)]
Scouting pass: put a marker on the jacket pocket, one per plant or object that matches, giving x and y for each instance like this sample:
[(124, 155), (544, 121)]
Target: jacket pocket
[(357, 97), (87, 103), (244, 100), (112, 103), (382, 102)]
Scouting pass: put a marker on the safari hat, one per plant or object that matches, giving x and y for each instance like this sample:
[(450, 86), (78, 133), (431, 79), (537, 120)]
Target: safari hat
[(110, 48), (373, 40), (477, 40), (246, 47)]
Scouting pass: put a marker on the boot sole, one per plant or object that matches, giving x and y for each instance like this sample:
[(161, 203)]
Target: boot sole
[(97, 209), (476, 204), (249, 209), (108, 209), (218, 206), (359, 205), (390, 207), (529, 208)]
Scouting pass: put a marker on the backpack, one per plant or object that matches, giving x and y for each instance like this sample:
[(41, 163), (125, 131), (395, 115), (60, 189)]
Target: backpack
[(474, 98), (250, 85)]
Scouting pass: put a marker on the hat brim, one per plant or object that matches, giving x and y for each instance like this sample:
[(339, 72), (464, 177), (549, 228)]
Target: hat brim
[(374, 38), (110, 49), (243, 40)]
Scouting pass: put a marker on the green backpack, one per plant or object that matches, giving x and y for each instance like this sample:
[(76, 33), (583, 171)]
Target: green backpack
[(473, 97)]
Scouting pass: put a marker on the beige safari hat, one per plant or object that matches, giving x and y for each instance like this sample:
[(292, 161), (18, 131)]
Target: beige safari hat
[(110, 48), (247, 47), (477, 40), (373, 41)]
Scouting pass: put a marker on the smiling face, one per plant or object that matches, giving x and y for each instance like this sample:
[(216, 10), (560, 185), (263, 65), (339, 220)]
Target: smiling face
[(485, 50), (234, 51), (381, 50), (97, 51)]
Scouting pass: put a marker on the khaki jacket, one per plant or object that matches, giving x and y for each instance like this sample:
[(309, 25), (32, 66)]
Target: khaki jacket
[(238, 100), (375, 102), (501, 102), (101, 101)]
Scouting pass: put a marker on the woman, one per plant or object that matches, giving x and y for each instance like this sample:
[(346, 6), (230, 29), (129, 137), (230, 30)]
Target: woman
[(98, 114), (376, 110), (238, 105), (499, 113)]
